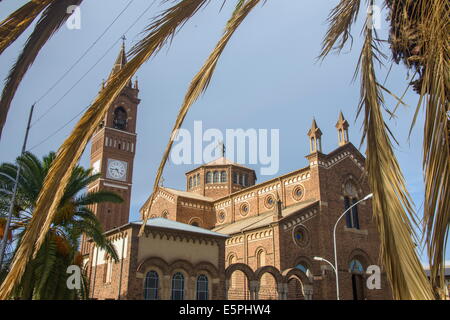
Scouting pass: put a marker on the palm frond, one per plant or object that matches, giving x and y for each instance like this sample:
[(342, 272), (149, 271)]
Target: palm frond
[(52, 19), (16, 23), (340, 21), (433, 24), (98, 197), (391, 202), (198, 85), (69, 153)]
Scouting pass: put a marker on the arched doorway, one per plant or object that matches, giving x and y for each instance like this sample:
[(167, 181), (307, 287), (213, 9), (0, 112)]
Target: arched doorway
[(270, 283), (295, 289), (357, 271), (298, 284)]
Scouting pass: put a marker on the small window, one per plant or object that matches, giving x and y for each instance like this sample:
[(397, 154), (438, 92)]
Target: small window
[(177, 286), (235, 178), (197, 183), (151, 286), (244, 179), (202, 287), (190, 183), (216, 177), (209, 177), (223, 176)]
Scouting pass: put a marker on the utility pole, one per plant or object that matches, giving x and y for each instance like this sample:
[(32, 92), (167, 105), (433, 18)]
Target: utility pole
[(14, 193)]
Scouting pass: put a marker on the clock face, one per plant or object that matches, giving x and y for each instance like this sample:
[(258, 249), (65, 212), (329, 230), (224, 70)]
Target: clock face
[(117, 169)]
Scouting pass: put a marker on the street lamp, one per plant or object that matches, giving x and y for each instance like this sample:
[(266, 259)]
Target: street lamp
[(335, 267), (325, 260)]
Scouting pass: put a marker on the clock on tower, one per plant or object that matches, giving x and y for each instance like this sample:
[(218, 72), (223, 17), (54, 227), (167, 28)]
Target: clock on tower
[(112, 153)]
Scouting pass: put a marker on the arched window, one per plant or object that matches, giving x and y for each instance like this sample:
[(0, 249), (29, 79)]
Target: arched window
[(357, 270), (351, 198), (260, 258), (303, 267), (151, 286), (109, 270), (235, 178), (120, 118), (190, 183), (216, 176), (232, 260), (202, 287), (195, 224), (355, 215), (178, 286), (209, 177), (223, 176), (197, 179), (351, 217)]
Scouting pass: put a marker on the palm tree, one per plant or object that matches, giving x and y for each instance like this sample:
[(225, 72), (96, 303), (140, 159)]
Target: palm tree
[(45, 275), (418, 38)]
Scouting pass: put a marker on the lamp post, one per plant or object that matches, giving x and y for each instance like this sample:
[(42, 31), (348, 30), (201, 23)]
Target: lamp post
[(14, 193), (335, 267)]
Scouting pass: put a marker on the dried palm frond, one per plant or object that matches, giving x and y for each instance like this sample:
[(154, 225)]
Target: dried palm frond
[(434, 88), (391, 203), (52, 19), (419, 39), (198, 85), (16, 23), (340, 19), (69, 153)]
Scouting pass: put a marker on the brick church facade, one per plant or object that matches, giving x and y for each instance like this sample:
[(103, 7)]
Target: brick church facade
[(227, 237)]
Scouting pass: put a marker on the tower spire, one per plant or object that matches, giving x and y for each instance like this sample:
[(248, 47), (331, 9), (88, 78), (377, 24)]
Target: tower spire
[(121, 60), (342, 129), (315, 137)]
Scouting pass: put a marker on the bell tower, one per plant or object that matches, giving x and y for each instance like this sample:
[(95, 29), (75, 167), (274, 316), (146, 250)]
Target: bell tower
[(112, 152)]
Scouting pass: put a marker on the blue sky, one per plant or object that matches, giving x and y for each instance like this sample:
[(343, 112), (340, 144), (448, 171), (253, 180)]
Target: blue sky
[(267, 77)]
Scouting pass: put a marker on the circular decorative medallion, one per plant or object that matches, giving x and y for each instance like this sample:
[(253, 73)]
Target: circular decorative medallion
[(221, 216), (269, 201), (301, 236), (244, 209), (298, 193)]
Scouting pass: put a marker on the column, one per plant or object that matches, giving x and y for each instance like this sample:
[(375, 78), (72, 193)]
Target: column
[(254, 290)]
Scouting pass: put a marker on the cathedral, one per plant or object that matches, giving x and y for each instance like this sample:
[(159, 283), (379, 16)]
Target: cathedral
[(228, 237)]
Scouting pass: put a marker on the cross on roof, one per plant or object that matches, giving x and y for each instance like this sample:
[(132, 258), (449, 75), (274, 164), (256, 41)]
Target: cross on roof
[(222, 146)]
